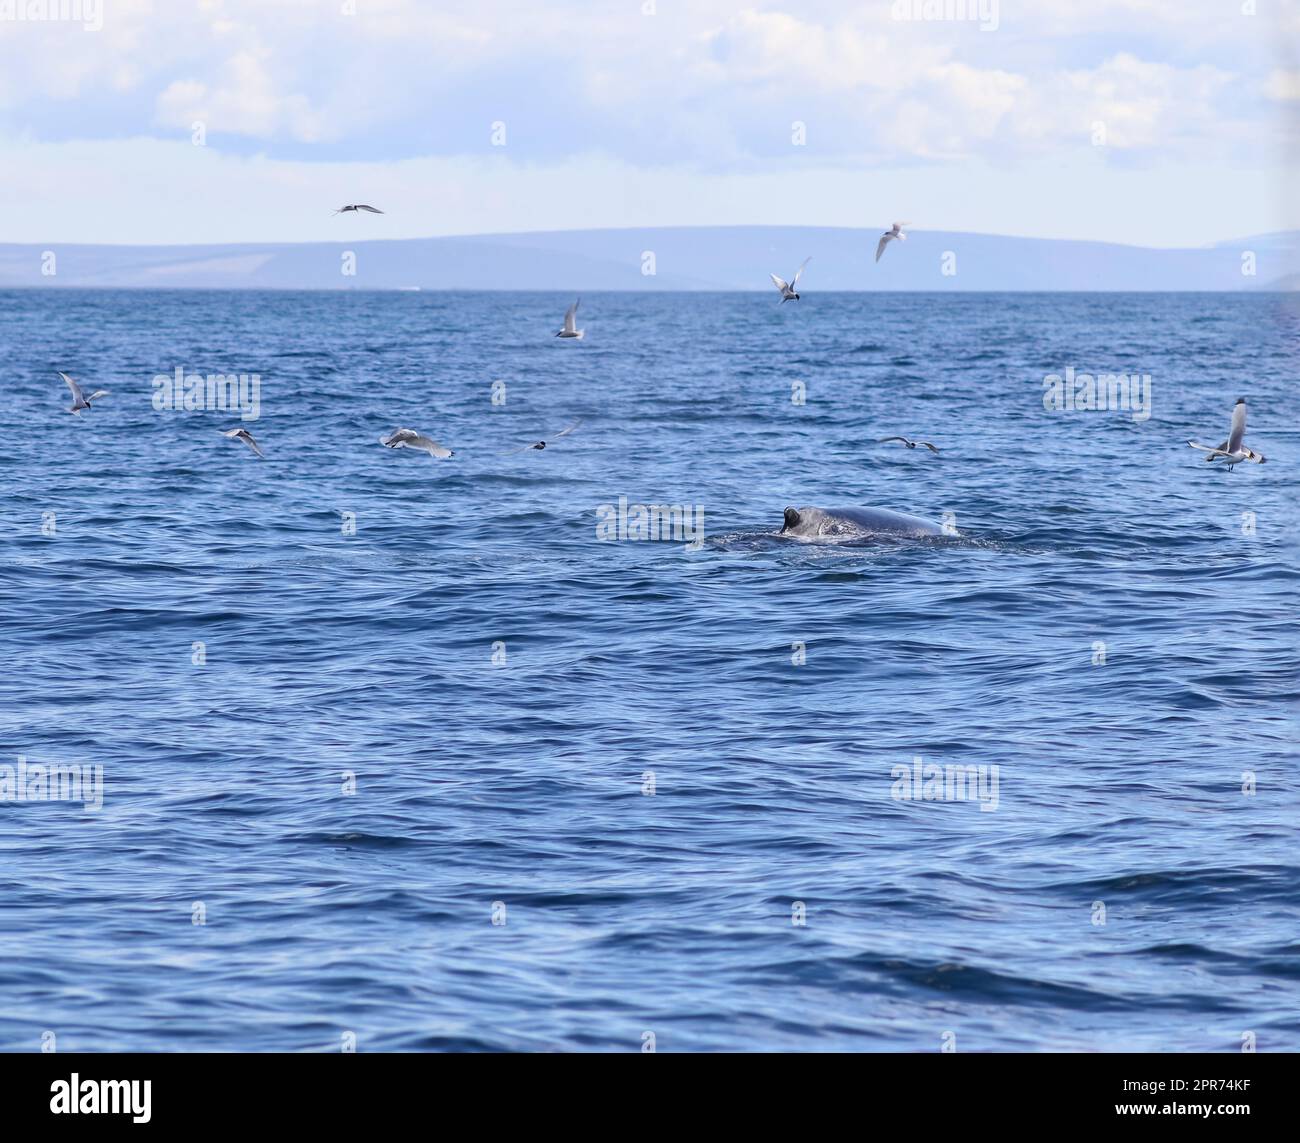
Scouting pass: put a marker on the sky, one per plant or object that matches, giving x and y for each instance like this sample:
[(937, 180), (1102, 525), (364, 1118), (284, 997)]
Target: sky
[(1150, 122)]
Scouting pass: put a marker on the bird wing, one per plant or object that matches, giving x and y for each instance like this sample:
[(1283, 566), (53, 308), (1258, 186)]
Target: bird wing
[(1238, 427), (95, 396), (780, 283), (885, 440), (76, 389), (932, 448), (566, 432), (899, 226), (398, 437), (373, 210), (432, 447), (571, 318), (880, 246), (799, 272), (1207, 448)]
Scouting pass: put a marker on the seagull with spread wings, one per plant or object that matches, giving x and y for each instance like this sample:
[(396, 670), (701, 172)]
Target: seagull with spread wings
[(79, 399), (242, 434), (885, 239), (1232, 450), (409, 438), (909, 444), (789, 289), (571, 323), (542, 444)]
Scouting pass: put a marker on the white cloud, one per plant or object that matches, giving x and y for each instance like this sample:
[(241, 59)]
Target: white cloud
[(700, 90), (711, 82), (1144, 106), (245, 101), (1284, 86)]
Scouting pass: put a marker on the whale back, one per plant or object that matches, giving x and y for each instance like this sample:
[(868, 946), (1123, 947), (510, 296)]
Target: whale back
[(810, 523)]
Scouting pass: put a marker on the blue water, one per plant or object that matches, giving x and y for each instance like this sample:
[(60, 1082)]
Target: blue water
[(519, 784)]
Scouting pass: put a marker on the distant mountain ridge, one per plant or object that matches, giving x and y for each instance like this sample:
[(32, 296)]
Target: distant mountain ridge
[(667, 258)]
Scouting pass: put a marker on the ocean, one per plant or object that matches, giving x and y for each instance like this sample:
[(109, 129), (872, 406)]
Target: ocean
[(408, 754)]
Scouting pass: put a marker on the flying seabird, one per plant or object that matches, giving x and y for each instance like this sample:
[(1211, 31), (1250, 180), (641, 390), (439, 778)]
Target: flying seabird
[(542, 444), (79, 399), (787, 289), (409, 438), (1232, 450), (889, 236), (909, 444), (358, 206), (571, 323), (242, 434)]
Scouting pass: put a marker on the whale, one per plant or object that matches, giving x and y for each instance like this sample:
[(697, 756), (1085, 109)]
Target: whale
[(814, 523)]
